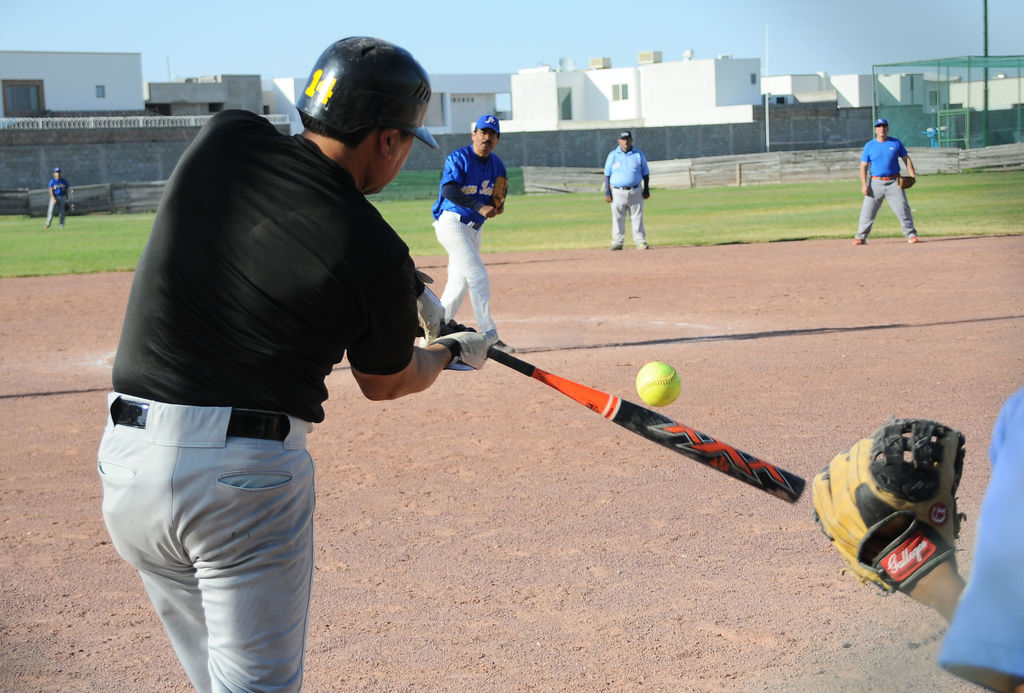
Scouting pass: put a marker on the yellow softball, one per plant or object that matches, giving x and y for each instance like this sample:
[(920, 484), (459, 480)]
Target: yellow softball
[(658, 384)]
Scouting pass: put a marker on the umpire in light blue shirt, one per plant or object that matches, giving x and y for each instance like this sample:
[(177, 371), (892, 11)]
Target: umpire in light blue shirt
[(626, 185)]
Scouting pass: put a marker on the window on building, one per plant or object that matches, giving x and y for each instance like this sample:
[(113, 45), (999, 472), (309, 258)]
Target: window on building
[(620, 92), (753, 78), (23, 97), (216, 107), (780, 100), (101, 91), (565, 103)]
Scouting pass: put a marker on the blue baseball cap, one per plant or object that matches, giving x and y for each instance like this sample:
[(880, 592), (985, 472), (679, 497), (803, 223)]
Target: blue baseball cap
[(881, 121), (487, 121), (57, 170)]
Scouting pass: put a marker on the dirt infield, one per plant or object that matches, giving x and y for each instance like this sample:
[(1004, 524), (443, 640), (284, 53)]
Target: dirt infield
[(492, 535)]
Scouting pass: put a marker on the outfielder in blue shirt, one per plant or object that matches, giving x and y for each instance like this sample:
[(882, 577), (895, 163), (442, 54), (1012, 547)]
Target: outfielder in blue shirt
[(59, 188), (879, 179)]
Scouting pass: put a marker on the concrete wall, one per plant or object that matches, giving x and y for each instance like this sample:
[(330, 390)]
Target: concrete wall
[(27, 157), (104, 156)]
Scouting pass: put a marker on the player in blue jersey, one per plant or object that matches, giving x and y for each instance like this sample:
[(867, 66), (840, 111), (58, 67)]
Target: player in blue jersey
[(881, 160), (465, 201), (59, 188), (625, 171)]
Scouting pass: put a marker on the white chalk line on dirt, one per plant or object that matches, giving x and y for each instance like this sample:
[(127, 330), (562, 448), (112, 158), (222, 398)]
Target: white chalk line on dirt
[(561, 320)]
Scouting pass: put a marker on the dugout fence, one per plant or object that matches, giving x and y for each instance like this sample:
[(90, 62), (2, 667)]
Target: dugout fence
[(960, 103)]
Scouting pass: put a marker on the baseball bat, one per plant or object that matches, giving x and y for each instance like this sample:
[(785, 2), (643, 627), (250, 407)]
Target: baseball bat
[(667, 432)]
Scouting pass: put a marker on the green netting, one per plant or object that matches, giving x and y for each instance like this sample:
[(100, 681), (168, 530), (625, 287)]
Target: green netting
[(962, 102)]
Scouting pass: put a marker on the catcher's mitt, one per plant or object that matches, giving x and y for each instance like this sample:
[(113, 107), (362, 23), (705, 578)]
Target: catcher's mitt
[(499, 193), (889, 502), (906, 181)]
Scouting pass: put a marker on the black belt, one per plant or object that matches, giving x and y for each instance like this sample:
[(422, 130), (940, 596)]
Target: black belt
[(619, 187), (244, 423), (468, 221)]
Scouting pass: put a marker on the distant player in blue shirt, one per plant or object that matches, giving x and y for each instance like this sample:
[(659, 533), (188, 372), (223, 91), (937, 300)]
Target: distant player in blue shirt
[(881, 159), (625, 170), (464, 202), (59, 188)]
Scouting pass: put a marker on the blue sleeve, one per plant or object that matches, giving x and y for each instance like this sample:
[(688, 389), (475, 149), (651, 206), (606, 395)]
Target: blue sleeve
[(454, 168), (864, 154), (988, 628), (901, 152), (646, 169), (608, 163)]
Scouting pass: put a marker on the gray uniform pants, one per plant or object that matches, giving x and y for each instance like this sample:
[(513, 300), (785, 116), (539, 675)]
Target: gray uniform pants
[(59, 205), (631, 202), (888, 190), (221, 531)]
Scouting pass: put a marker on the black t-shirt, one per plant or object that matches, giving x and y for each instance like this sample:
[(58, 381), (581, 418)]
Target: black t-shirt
[(264, 266)]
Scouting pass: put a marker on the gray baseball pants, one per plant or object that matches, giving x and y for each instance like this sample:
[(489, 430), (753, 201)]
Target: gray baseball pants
[(628, 202), (888, 190), (60, 205), (221, 531)]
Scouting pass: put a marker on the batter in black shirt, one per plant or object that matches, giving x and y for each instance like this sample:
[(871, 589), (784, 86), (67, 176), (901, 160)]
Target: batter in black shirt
[(266, 266), (249, 297)]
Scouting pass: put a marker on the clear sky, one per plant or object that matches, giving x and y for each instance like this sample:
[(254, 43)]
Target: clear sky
[(187, 38)]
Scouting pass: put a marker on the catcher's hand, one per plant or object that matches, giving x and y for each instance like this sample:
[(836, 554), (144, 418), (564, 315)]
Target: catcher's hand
[(889, 502), (906, 181), (499, 193)]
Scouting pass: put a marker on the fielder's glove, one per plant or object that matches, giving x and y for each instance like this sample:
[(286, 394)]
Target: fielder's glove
[(906, 181), (889, 502), (499, 194)]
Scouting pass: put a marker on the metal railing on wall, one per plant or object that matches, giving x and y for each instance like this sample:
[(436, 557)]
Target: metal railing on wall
[(140, 121)]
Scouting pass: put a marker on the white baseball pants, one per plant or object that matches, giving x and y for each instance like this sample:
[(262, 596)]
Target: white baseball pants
[(466, 270), (221, 531)]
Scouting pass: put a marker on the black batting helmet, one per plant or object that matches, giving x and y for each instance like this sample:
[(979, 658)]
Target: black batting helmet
[(362, 82)]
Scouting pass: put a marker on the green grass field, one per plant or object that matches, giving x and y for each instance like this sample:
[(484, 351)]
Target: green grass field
[(944, 205)]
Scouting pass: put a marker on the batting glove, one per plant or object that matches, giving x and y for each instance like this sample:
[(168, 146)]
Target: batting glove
[(469, 348)]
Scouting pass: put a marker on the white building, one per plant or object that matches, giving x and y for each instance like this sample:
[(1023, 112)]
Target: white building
[(37, 82), (848, 91), (651, 94), (205, 95)]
